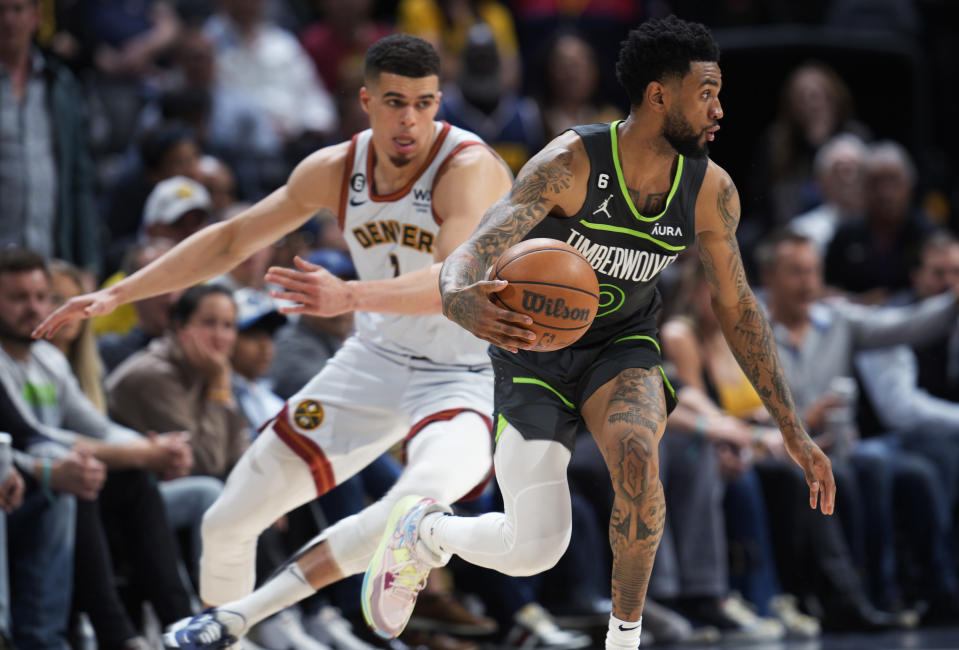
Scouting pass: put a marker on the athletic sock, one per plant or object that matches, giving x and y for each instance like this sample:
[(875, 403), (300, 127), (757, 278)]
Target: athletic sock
[(623, 635), (430, 533), (287, 587)]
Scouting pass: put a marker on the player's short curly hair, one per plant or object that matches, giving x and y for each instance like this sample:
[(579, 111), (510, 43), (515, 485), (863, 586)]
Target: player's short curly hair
[(659, 49), (402, 54)]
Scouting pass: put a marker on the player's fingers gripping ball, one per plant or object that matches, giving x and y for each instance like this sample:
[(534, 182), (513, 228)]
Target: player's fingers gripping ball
[(552, 283)]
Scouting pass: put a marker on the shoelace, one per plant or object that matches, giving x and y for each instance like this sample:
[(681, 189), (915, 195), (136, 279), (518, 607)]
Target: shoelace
[(409, 578), (211, 631)]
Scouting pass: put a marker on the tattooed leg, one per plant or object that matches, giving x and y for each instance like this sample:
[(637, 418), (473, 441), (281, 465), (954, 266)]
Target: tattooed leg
[(627, 417)]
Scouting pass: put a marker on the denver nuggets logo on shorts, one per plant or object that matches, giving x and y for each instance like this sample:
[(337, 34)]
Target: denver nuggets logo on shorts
[(308, 415)]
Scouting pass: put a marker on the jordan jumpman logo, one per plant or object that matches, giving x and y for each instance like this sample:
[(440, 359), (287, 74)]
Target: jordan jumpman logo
[(602, 207)]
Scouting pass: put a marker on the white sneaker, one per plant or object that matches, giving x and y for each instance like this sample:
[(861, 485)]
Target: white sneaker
[(752, 628), (535, 628), (283, 631), (785, 608), (397, 572), (329, 626)]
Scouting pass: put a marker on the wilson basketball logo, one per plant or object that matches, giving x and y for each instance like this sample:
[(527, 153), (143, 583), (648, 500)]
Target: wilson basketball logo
[(537, 303), (553, 284), (308, 415)]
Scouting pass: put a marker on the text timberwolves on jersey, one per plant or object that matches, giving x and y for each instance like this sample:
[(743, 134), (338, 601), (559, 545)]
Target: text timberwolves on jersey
[(627, 249)]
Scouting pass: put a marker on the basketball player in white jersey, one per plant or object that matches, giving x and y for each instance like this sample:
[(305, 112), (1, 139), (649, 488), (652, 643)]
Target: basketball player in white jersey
[(406, 193)]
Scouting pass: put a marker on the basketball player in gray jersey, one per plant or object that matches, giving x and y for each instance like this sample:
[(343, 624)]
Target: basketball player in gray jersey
[(630, 196)]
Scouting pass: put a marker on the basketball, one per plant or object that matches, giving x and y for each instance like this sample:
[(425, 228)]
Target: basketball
[(552, 283)]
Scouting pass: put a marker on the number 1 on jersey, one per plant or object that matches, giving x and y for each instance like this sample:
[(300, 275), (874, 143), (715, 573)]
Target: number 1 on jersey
[(396, 264)]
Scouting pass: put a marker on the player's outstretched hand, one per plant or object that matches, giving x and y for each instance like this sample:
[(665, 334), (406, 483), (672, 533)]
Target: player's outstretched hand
[(818, 469), (87, 305), (473, 309), (315, 290)]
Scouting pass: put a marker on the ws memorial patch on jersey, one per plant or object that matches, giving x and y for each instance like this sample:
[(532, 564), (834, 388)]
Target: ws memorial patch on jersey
[(308, 415)]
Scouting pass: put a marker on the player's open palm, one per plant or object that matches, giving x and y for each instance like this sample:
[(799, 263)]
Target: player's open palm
[(315, 290), (818, 469), (474, 309), (77, 308)]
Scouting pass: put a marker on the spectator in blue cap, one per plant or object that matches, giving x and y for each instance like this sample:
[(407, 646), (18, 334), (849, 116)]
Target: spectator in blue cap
[(256, 323), (304, 346)]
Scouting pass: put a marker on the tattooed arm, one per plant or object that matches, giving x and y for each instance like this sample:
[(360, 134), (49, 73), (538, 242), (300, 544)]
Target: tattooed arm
[(554, 180), (747, 330)]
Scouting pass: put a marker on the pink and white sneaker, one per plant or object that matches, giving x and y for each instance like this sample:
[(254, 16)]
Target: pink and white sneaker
[(398, 570)]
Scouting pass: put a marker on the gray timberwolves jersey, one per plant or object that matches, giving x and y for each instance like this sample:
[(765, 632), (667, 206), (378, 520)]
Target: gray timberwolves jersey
[(628, 250)]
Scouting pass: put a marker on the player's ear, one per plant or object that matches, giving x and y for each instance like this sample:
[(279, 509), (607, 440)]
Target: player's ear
[(654, 96), (365, 98)]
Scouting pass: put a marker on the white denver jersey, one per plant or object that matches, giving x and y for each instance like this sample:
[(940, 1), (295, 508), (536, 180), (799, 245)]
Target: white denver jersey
[(396, 233)]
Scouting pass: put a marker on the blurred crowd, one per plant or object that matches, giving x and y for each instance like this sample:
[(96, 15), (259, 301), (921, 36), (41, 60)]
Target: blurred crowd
[(127, 125)]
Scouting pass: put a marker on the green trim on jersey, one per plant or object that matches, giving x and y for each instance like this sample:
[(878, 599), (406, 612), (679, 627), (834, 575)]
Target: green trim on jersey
[(539, 382), (640, 337), (668, 385), (634, 233), (622, 182), (501, 424), (643, 337)]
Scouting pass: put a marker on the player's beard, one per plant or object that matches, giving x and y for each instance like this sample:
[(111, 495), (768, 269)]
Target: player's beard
[(682, 137), (400, 162)]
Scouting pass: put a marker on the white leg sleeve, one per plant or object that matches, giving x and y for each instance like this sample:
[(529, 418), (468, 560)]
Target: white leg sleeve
[(534, 530), (268, 481), (446, 460)]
